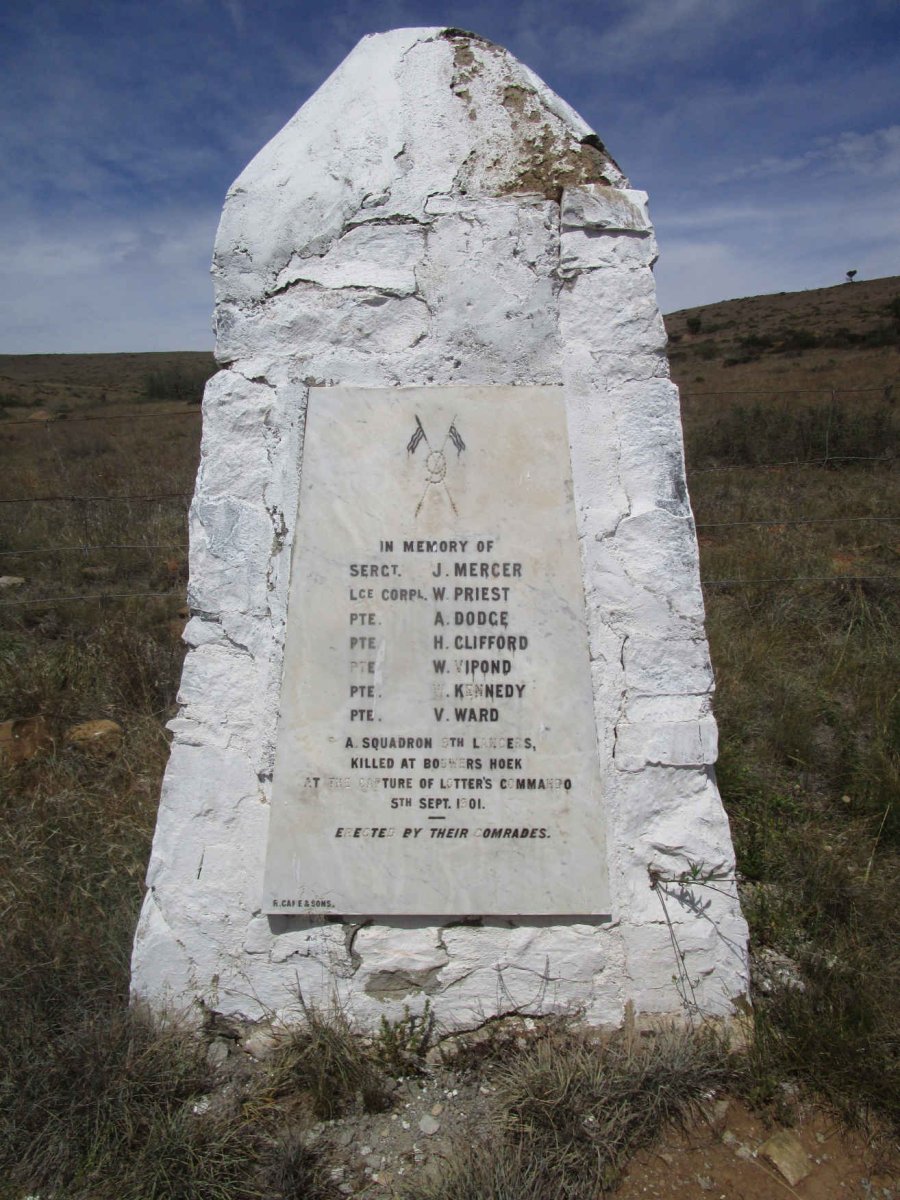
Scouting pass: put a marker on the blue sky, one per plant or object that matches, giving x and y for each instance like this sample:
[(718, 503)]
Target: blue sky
[(767, 134)]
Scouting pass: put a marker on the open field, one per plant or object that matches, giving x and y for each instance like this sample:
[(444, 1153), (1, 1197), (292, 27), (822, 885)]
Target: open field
[(791, 421), (84, 384)]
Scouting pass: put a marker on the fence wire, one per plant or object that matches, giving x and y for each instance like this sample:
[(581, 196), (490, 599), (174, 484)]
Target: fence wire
[(153, 497), (884, 459), (772, 522), (195, 410), (78, 419), (801, 579), (90, 597), (61, 421), (98, 549)]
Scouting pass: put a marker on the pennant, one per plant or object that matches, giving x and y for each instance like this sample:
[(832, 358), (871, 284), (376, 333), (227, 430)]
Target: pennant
[(417, 436)]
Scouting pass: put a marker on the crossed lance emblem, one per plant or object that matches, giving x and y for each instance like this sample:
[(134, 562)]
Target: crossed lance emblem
[(435, 460)]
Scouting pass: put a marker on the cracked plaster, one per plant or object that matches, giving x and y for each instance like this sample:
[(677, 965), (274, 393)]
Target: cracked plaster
[(434, 214)]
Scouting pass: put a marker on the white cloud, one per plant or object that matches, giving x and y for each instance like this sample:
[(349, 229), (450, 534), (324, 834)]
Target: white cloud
[(236, 12), (762, 133), (126, 284), (861, 155), (674, 28), (717, 252), (619, 39), (701, 271), (874, 155), (718, 215)]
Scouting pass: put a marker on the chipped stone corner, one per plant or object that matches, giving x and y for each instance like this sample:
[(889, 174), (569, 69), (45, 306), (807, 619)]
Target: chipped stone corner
[(434, 214), (536, 144)]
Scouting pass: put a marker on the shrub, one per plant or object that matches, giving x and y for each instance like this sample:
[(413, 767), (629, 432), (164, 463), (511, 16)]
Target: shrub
[(794, 341), (174, 383)]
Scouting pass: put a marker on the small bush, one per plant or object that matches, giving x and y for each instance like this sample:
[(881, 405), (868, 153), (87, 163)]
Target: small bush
[(11, 400), (174, 383), (876, 335), (326, 1060), (757, 342), (795, 341), (401, 1045)]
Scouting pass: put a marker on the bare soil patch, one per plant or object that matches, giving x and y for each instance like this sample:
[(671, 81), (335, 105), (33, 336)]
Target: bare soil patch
[(727, 1161)]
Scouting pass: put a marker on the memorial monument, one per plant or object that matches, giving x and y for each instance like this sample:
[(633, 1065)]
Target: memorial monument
[(446, 708)]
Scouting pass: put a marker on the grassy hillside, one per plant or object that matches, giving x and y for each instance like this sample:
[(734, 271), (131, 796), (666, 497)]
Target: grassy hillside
[(60, 385), (843, 336), (790, 419)]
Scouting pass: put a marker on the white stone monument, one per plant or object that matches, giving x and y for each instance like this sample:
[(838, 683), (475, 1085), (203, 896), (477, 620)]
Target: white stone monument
[(446, 708)]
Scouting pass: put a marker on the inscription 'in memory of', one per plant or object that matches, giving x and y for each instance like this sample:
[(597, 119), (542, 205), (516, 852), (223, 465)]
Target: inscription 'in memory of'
[(436, 749)]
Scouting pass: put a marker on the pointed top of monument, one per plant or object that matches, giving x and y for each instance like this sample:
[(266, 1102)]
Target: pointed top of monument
[(408, 117)]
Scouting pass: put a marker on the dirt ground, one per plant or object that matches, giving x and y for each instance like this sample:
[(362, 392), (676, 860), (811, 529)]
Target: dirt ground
[(725, 1159), (722, 1155)]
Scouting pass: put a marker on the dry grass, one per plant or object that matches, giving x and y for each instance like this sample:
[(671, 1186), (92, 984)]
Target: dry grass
[(93, 1104), (807, 668), (569, 1110), (807, 702), (64, 384), (584, 1106), (334, 1069), (488, 1169), (130, 446)]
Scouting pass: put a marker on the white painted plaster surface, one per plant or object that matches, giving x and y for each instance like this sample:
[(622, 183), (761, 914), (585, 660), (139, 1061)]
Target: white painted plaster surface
[(431, 216)]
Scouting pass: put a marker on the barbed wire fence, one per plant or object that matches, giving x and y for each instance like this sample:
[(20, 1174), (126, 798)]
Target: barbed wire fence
[(52, 422)]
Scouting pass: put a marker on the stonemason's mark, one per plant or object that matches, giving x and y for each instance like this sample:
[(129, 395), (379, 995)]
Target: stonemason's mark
[(435, 461)]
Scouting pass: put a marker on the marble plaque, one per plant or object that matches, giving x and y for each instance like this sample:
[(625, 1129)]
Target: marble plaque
[(436, 748)]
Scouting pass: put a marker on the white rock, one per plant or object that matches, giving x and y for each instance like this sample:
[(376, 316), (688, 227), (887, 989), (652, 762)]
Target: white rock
[(382, 257), (260, 1044), (606, 209), (217, 1052), (785, 1151)]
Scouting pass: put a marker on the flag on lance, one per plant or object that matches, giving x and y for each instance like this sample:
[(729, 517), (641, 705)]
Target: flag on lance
[(435, 462)]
